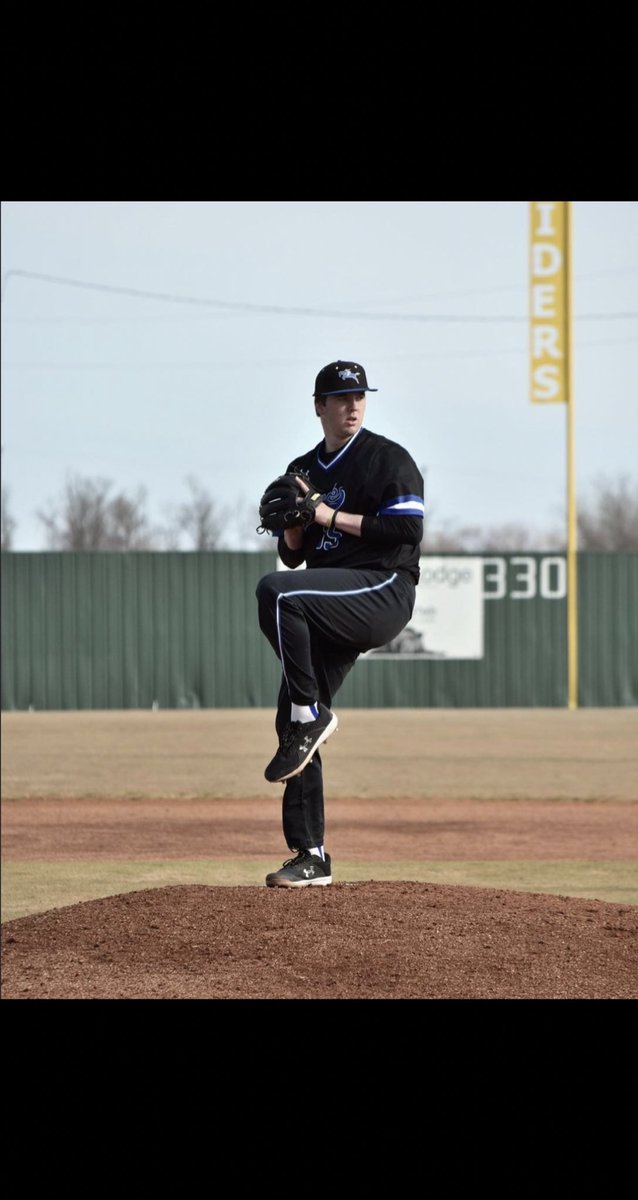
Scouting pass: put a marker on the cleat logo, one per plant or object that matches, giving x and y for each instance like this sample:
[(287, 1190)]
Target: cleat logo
[(306, 744), (309, 872)]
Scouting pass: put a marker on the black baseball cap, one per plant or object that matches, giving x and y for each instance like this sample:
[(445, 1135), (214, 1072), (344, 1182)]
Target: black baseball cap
[(341, 377)]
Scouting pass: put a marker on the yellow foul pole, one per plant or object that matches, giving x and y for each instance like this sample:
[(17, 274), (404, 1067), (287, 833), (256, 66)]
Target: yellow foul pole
[(572, 524), (552, 369)]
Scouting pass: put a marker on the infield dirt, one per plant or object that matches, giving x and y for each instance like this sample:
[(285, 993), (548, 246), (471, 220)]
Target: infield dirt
[(402, 786)]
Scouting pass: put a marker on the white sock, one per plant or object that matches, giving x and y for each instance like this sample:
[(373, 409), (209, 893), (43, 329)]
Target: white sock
[(318, 850), (304, 712)]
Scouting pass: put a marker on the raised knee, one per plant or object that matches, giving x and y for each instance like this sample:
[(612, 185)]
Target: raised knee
[(266, 589)]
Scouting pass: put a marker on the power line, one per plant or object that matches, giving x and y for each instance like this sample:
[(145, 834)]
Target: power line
[(288, 310), (209, 365)]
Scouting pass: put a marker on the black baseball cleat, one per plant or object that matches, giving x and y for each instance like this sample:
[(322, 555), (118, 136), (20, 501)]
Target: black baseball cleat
[(306, 870), (297, 744)]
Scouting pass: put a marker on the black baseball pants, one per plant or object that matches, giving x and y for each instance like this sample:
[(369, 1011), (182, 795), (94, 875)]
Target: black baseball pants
[(318, 621)]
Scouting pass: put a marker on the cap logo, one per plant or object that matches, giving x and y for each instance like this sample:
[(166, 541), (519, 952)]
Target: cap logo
[(348, 374)]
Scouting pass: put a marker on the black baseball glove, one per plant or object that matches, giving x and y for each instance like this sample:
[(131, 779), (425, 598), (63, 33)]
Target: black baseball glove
[(284, 504)]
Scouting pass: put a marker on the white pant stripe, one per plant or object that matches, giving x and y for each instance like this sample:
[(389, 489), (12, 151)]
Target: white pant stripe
[(315, 592)]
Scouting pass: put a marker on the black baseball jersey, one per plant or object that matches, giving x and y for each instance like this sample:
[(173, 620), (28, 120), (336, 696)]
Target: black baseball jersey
[(377, 477)]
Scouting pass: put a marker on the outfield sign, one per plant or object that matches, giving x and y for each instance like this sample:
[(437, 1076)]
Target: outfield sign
[(447, 621)]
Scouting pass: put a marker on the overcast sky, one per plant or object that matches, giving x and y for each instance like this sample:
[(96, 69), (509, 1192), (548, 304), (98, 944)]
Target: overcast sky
[(211, 376)]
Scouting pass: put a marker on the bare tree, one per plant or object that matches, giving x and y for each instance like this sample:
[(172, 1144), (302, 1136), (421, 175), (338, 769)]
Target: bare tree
[(502, 539), (608, 518), (127, 523), (85, 518), (247, 520), (200, 520), (7, 522), (444, 539)]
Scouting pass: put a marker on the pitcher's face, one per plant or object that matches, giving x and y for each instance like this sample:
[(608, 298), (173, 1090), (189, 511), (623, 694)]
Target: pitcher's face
[(341, 416)]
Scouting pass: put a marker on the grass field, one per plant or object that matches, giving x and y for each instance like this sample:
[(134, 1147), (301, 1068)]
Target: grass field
[(98, 803)]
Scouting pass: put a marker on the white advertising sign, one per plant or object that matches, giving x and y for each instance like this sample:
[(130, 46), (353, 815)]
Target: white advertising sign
[(448, 615)]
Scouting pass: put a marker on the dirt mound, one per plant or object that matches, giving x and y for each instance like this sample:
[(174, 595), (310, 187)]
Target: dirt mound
[(364, 941)]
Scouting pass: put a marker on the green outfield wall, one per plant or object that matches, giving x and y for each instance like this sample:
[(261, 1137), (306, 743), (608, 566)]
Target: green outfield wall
[(107, 630)]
